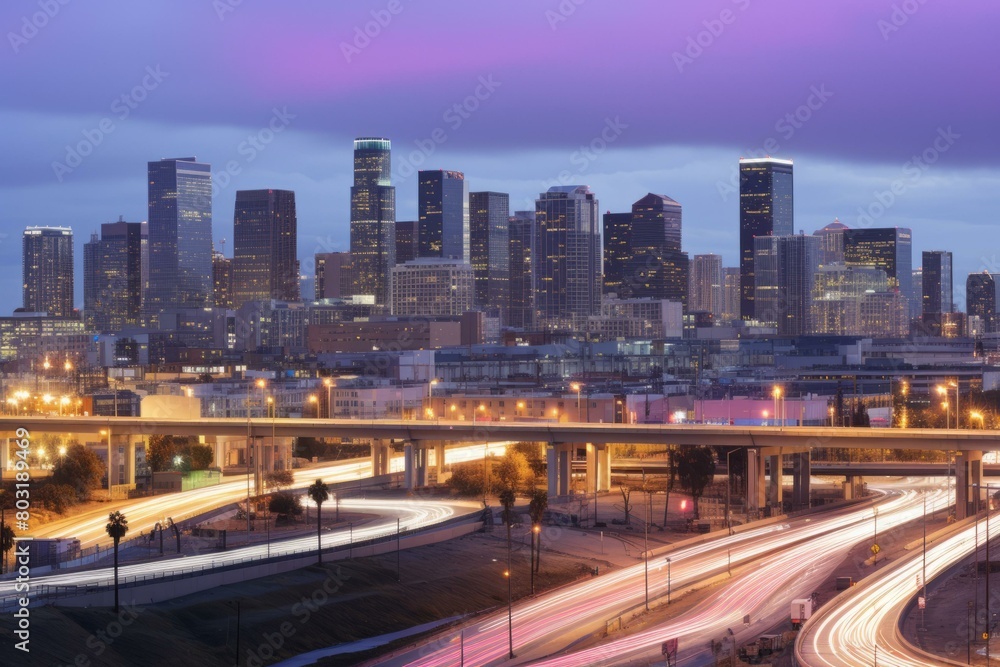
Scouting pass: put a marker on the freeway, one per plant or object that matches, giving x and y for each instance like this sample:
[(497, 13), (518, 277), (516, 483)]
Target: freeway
[(863, 627), (550, 623)]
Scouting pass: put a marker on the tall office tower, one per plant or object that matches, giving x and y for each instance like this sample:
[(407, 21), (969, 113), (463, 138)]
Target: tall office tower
[(489, 248), (407, 235), (982, 299), (831, 242), (730, 293), (837, 296), (915, 298), (180, 236), (222, 280), (265, 241), (888, 248), (114, 273), (785, 277), (373, 219), (766, 209), (617, 250), (706, 285), (432, 287), (521, 311), (47, 268), (657, 268), (567, 257), (937, 288), (443, 205), (333, 275)]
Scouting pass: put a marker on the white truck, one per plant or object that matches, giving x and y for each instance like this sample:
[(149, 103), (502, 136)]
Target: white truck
[(801, 611)]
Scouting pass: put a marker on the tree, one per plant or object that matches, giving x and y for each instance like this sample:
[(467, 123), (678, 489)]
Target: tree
[(626, 494), (279, 479), (512, 471), (80, 468), (695, 470), (201, 456), (286, 505), (6, 544), (536, 510), (160, 452), (56, 497), (320, 493), (117, 527)]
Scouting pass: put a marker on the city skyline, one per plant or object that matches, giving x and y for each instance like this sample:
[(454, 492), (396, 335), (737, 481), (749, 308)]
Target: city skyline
[(819, 112)]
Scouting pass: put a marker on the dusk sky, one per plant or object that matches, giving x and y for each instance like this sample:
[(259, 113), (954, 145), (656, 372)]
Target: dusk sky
[(627, 97)]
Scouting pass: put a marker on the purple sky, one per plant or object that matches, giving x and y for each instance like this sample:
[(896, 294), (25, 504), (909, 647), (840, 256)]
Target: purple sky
[(891, 83)]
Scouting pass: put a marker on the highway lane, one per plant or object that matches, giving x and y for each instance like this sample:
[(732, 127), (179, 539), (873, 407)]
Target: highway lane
[(552, 622), (865, 622), (412, 514)]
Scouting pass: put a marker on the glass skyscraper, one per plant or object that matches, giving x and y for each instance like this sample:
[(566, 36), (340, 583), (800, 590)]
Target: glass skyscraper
[(443, 208), (888, 248), (114, 276), (265, 240), (406, 240), (489, 249), (617, 250), (522, 276), (937, 291), (180, 236), (766, 209), (982, 298), (47, 269), (786, 270), (373, 219), (656, 267)]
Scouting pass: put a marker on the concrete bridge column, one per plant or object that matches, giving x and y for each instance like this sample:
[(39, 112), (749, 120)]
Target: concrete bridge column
[(598, 468), (800, 479), (409, 467), (968, 471), (380, 458), (560, 460), (552, 469), (755, 481), (774, 490), (4, 453), (439, 454), (420, 455)]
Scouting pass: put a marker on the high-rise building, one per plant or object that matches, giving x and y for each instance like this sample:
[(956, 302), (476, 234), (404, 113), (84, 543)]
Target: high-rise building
[(489, 248), (982, 299), (443, 205), (915, 298), (47, 268), (222, 280), (731, 293), (521, 312), (265, 241), (706, 285), (180, 236), (785, 269), (373, 219), (766, 209), (617, 250), (937, 288), (657, 268), (567, 257), (432, 287), (407, 235), (831, 242), (333, 275), (837, 294), (887, 248), (114, 276)]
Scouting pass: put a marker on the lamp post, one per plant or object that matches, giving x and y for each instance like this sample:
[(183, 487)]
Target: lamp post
[(875, 548), (975, 414), (486, 454), (668, 580), (989, 507), (729, 491), (943, 390), (576, 386), (510, 600), (534, 536), (329, 404), (645, 550), (776, 392)]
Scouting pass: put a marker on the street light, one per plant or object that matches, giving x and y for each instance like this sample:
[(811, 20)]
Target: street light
[(729, 491), (668, 580), (535, 529), (776, 392), (975, 414), (943, 390), (329, 404), (576, 386)]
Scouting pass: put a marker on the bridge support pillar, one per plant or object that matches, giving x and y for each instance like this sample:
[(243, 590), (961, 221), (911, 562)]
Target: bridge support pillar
[(4, 453), (774, 489), (415, 462), (439, 454), (755, 481), (968, 472), (560, 459), (598, 468), (380, 458), (800, 479)]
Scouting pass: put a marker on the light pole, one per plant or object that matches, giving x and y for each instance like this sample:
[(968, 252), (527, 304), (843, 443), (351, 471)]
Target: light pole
[(510, 600), (975, 414), (729, 491), (486, 455), (943, 390), (875, 548), (576, 386), (329, 405), (776, 392), (668, 580), (534, 535)]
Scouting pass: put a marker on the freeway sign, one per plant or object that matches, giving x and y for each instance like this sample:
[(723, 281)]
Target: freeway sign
[(875, 549)]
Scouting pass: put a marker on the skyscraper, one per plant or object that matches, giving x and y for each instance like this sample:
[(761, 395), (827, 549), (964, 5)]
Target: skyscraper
[(766, 209), (706, 285), (521, 311), (785, 274), (730, 293), (617, 250), (567, 257), (657, 268), (373, 219), (407, 235), (888, 248), (443, 206), (489, 248), (47, 268), (114, 276), (265, 240), (222, 280), (333, 275), (831, 242), (432, 287), (180, 236), (982, 299), (937, 288)]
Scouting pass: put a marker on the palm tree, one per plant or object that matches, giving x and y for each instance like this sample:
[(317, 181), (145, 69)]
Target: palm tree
[(320, 493), (117, 527)]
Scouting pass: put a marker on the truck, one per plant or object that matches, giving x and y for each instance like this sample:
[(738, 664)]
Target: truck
[(801, 611)]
